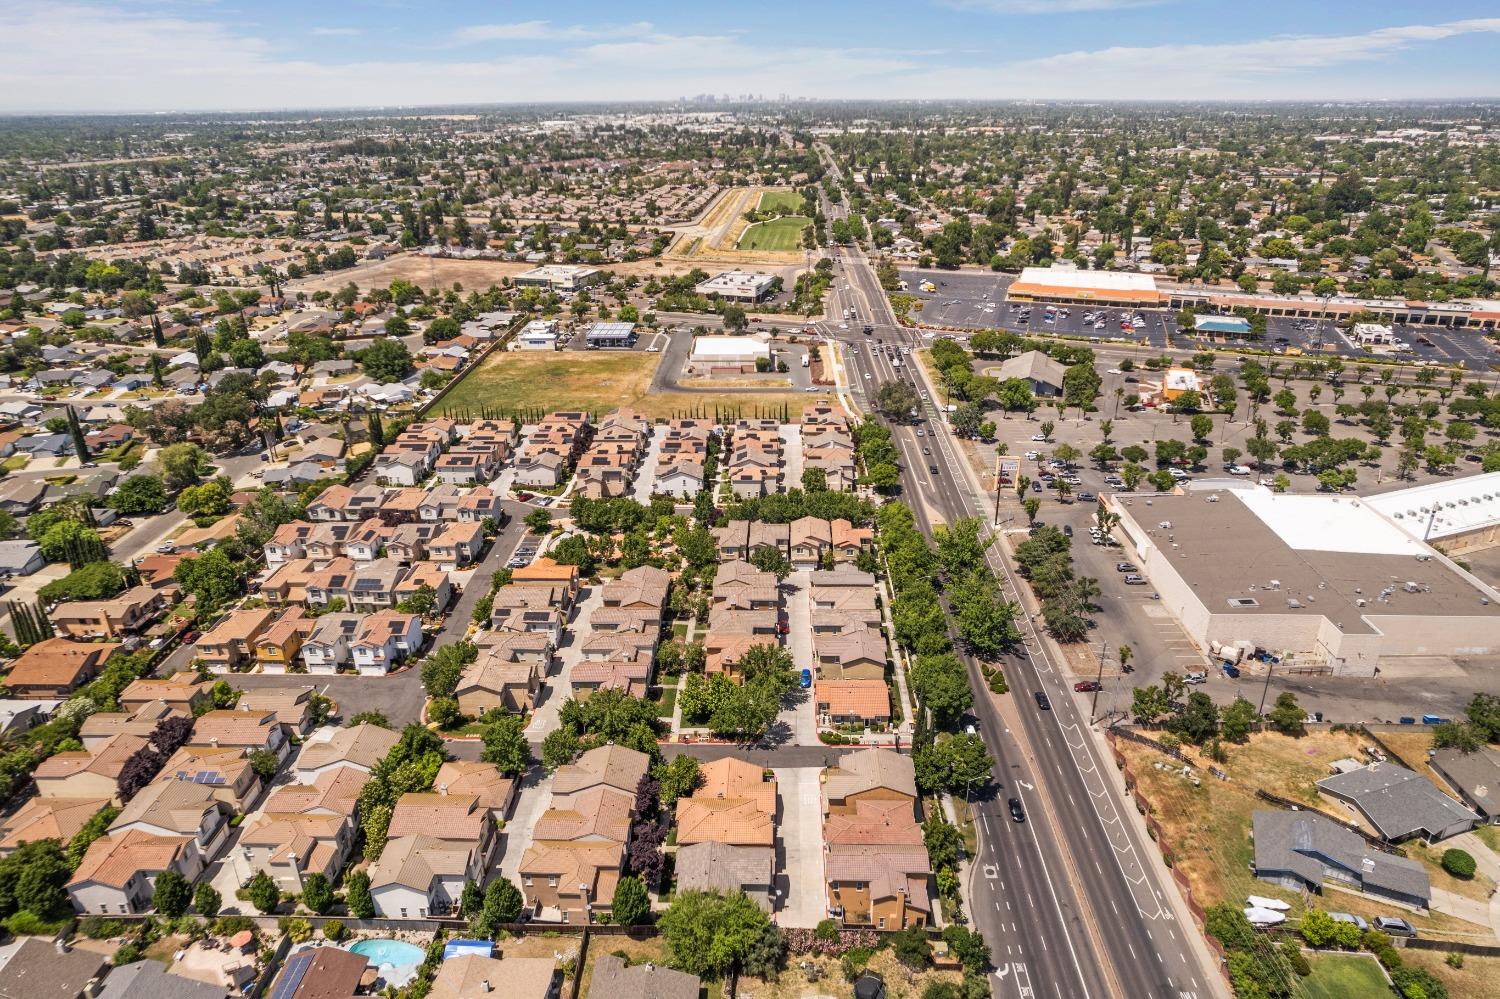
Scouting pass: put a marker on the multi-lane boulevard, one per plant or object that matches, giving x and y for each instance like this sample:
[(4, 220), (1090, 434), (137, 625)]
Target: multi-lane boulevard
[(1073, 901)]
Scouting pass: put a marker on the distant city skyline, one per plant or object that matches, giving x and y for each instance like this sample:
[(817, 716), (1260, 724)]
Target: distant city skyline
[(173, 55)]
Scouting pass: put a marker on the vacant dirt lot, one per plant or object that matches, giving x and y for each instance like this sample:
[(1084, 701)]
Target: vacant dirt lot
[(434, 272)]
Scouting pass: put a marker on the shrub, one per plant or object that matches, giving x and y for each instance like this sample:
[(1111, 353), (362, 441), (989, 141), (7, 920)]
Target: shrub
[(1458, 863), (335, 930), (206, 900), (300, 930)]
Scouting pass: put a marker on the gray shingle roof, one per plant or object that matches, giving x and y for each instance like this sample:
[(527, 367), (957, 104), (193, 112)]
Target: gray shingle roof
[(1302, 842), (1397, 801), (1474, 775)]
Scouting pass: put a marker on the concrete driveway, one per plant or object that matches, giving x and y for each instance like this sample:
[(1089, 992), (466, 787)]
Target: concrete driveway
[(531, 802), (799, 851), (799, 715), (557, 688), (645, 476)]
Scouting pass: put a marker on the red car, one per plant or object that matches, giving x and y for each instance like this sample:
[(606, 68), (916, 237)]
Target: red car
[(1086, 686)]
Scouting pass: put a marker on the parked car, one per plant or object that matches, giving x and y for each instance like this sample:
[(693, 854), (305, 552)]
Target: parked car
[(1344, 917), (1017, 813), (1395, 926), (1086, 497), (1086, 686), (1197, 676), (1042, 701), (1131, 579), (806, 678), (1125, 567)]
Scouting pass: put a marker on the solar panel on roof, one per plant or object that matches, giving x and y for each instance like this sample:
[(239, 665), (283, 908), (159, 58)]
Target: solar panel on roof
[(292, 975)]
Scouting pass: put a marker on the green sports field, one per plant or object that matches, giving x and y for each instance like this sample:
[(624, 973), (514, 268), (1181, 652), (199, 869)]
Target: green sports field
[(776, 235), (770, 201)]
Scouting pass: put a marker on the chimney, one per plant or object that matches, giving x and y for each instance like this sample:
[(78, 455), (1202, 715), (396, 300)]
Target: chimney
[(484, 986), (442, 789), (214, 741)]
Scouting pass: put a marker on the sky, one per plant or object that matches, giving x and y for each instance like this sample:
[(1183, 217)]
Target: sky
[(191, 55)]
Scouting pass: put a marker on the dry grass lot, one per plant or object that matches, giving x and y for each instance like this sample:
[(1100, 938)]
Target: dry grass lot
[(1208, 827), (900, 983), (555, 945), (474, 275), (509, 380), (1479, 978)]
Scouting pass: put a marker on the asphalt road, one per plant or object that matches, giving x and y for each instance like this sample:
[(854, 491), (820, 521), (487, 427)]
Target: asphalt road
[(1070, 901)]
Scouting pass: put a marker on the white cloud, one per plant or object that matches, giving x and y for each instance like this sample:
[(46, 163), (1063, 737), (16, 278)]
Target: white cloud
[(333, 32), (542, 31), (1047, 6), (76, 56)]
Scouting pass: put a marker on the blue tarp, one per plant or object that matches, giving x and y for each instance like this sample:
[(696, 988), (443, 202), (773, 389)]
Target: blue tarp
[(458, 948)]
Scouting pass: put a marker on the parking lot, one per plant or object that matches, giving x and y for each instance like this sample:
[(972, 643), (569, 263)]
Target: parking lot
[(971, 300)]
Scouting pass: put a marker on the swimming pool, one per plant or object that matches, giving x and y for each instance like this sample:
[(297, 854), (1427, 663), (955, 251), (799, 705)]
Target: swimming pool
[(389, 953)]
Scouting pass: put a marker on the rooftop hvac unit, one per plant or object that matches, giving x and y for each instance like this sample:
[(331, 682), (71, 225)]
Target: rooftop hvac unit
[(1359, 602), (1275, 584)]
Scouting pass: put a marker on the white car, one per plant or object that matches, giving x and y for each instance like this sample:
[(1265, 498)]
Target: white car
[(1039, 438), (1033, 455), (1239, 470), (1177, 473)]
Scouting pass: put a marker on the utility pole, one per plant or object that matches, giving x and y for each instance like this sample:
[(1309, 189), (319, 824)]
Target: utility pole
[(1094, 704), (1270, 668)]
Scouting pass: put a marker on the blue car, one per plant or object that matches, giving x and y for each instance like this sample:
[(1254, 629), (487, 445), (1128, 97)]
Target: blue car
[(806, 678)]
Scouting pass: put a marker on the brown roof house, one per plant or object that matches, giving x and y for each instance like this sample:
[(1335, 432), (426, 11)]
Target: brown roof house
[(231, 643), (125, 614), (360, 747), (473, 976), (494, 680), (55, 667), (246, 730), (484, 782), (178, 808), (734, 804), (458, 818), (420, 876), (47, 818), (578, 844), (86, 773), (119, 871)]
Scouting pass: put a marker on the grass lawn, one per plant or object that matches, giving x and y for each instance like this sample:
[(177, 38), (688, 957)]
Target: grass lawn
[(1345, 976), (1209, 826), (15, 462), (665, 699), (770, 201), (778, 235), (1489, 836)]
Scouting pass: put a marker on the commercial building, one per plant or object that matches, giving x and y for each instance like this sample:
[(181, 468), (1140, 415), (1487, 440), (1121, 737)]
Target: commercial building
[(738, 286), (729, 353), (1042, 373), (559, 277), (1325, 582), (1455, 515), (1070, 285), (539, 334), (1373, 334), (1222, 325), (610, 335), (1470, 315)]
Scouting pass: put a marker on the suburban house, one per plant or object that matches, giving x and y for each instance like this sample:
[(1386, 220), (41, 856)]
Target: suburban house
[(118, 873), (126, 614), (326, 648), (86, 773), (877, 869), (734, 804), (384, 639), (246, 730), (1399, 803), (613, 979), (178, 808), (1301, 850), (1474, 777), (359, 747), (418, 876), (864, 703), (55, 667), (494, 680), (467, 976), (231, 643), (714, 866)]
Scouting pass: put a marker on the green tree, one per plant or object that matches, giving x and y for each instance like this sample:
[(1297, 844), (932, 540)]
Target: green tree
[(262, 892), (206, 900), (1238, 719), (357, 895), (631, 905), (386, 361), (171, 894), (505, 743), (539, 521), (954, 765), (1484, 714), (183, 464), (710, 933), (317, 893), (1317, 927), (139, 494), (1286, 715)]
